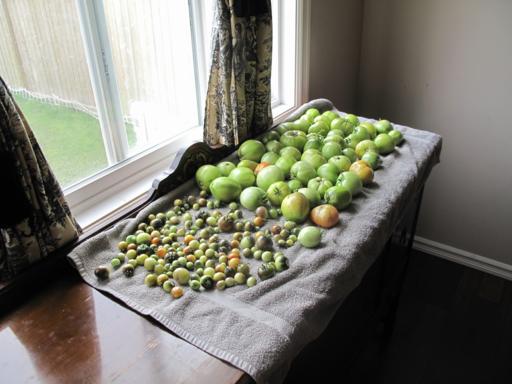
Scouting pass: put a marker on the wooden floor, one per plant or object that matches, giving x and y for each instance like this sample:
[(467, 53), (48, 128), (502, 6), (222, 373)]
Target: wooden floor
[(454, 325)]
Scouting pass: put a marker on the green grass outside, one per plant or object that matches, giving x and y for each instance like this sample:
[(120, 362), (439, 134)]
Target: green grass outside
[(71, 140)]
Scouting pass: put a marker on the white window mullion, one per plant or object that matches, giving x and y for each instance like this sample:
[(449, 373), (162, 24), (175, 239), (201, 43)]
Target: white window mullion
[(197, 28), (101, 68), (276, 52)]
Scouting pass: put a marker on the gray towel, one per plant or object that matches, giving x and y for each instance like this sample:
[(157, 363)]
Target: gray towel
[(261, 329)]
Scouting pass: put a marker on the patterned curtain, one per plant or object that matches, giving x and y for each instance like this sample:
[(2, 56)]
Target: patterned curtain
[(34, 219), (238, 102)]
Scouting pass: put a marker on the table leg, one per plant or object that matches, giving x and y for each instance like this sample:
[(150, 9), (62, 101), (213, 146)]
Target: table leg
[(407, 237)]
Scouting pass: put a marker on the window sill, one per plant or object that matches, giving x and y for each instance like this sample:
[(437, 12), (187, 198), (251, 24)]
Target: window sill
[(95, 214), (123, 185)]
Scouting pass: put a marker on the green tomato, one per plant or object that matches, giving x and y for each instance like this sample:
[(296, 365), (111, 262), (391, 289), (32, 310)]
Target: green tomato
[(322, 119), (337, 124), (320, 185), (285, 163), (352, 140), (273, 213), (302, 171), (252, 197), (350, 181), (372, 158), (149, 264), (313, 144), (225, 189), (362, 132), (301, 125), (248, 164), (291, 152), (270, 157), (336, 139), (338, 196), (206, 281), (225, 168), (251, 150), (312, 195), (150, 280), (181, 275), (247, 242), (195, 285), (342, 163), (396, 136), (269, 175), (370, 128), (310, 237), (350, 153), (307, 119), (281, 263), (206, 174), (273, 146), (313, 157), (132, 239), (385, 143), (296, 139), (335, 132), (331, 149), (168, 285), (277, 191), (320, 127), (294, 185), (244, 176), (143, 238), (331, 115), (269, 136), (267, 256), (266, 271), (343, 125), (328, 171), (383, 126), (162, 277), (240, 278), (141, 259), (295, 207), (352, 119), (312, 113), (285, 127), (364, 146)]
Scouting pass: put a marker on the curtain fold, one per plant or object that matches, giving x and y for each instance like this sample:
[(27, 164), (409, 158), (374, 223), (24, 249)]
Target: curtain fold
[(35, 218), (238, 100)]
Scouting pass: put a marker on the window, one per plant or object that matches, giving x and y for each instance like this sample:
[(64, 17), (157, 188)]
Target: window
[(113, 88)]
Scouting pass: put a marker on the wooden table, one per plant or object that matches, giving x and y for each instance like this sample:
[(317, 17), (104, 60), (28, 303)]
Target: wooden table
[(70, 333)]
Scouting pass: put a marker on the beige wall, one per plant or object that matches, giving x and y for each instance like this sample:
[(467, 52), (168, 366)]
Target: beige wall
[(446, 66), (335, 50)]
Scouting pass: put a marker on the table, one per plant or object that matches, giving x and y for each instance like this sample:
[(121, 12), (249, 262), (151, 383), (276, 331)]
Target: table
[(174, 177), (70, 332)]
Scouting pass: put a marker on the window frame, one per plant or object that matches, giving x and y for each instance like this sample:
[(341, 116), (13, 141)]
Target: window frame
[(105, 187)]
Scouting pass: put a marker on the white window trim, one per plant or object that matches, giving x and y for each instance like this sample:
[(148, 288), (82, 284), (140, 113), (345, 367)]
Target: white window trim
[(101, 71), (94, 198)]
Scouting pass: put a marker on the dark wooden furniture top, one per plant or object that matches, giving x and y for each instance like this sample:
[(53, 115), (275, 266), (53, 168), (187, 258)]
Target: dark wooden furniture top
[(70, 333)]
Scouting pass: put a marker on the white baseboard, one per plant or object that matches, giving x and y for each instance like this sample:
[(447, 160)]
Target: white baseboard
[(466, 258)]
